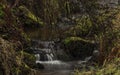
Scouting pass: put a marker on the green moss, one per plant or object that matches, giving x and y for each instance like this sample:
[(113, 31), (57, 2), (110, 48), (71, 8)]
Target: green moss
[(11, 60), (30, 15), (82, 28), (70, 39), (1, 12), (78, 48)]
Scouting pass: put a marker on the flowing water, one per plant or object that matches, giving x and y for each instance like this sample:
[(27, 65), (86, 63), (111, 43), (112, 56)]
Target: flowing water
[(47, 52), (46, 55)]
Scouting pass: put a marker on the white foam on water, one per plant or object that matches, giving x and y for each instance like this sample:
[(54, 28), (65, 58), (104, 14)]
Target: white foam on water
[(49, 62)]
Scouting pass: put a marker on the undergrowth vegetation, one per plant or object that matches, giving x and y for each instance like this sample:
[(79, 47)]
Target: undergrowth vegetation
[(81, 25), (109, 68)]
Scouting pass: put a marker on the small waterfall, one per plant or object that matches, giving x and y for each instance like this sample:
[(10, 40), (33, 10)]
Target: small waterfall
[(50, 58), (49, 53), (37, 57), (44, 50)]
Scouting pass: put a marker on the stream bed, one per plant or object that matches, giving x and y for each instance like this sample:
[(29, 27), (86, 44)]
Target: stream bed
[(59, 68)]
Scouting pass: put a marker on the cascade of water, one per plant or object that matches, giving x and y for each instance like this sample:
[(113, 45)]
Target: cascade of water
[(37, 57), (44, 53), (49, 57)]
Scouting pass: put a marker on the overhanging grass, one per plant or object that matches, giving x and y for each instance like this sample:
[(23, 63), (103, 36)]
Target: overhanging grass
[(110, 68)]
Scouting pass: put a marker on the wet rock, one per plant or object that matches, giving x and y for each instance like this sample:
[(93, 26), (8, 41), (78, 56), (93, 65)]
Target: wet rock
[(39, 66), (79, 48)]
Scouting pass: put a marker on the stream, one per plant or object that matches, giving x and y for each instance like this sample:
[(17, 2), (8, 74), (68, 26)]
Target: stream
[(46, 55)]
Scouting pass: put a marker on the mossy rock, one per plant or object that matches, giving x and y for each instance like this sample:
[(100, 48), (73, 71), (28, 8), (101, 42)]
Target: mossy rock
[(78, 48), (30, 18)]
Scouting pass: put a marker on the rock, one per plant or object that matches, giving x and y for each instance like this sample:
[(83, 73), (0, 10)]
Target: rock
[(79, 48), (39, 66)]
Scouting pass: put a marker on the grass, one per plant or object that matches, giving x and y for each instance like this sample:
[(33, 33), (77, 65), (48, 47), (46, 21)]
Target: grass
[(109, 68)]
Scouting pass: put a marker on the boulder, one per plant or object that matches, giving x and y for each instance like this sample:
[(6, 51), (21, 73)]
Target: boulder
[(79, 48)]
